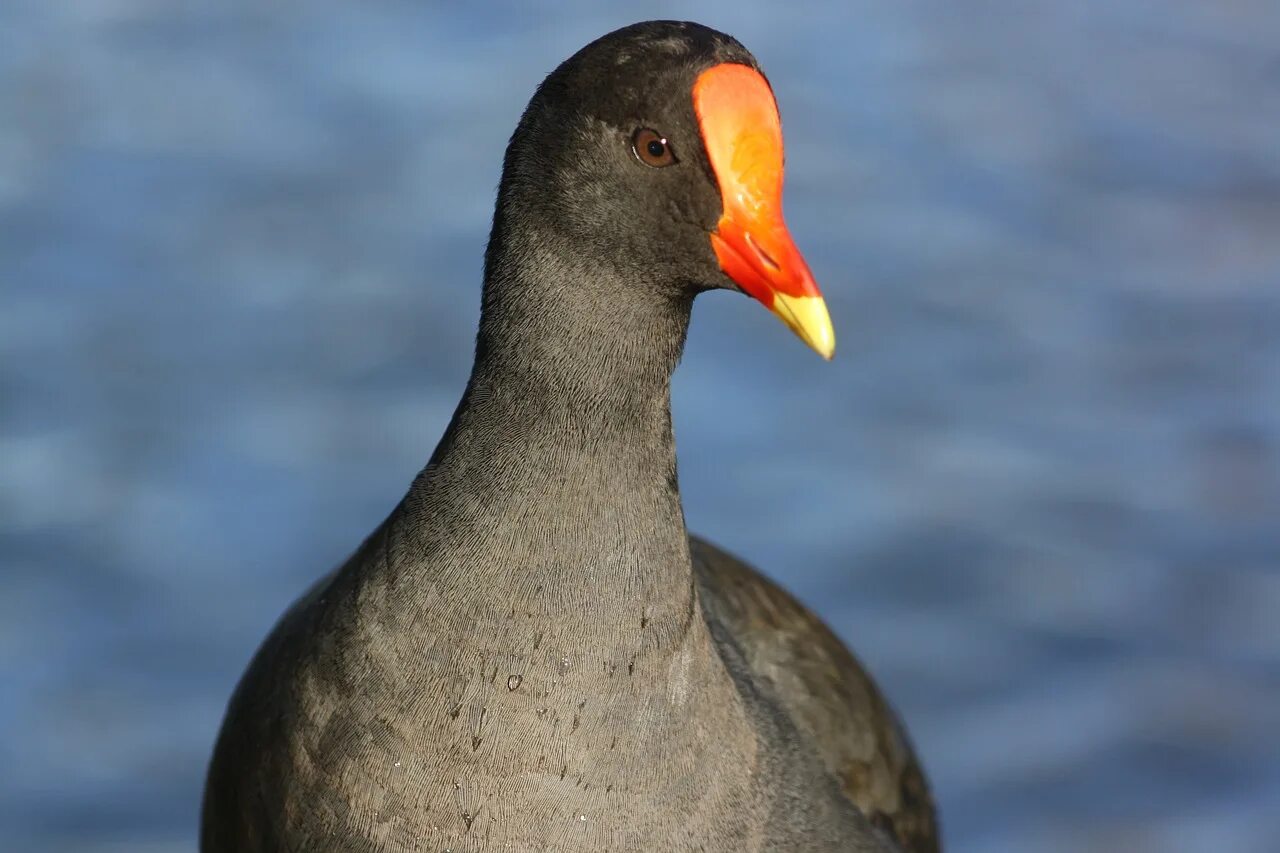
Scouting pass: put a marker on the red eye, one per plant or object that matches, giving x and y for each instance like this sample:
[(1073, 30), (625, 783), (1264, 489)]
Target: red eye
[(652, 148)]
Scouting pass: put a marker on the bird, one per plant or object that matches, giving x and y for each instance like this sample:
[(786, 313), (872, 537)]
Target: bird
[(531, 652)]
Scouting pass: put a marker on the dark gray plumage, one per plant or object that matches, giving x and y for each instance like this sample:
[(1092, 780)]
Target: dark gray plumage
[(529, 654)]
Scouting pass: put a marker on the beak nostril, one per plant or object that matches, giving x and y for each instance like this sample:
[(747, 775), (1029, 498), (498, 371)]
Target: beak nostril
[(768, 260)]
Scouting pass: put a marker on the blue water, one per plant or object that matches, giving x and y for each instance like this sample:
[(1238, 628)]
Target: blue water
[(1038, 490)]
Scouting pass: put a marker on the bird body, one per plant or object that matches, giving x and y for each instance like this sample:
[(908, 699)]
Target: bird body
[(530, 653)]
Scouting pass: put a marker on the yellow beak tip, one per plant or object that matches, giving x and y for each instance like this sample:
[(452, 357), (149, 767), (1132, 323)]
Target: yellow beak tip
[(807, 316)]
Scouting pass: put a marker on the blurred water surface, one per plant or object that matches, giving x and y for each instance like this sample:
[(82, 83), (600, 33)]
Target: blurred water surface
[(1038, 490)]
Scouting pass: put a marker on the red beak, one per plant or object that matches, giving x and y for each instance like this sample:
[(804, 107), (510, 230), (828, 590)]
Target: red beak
[(742, 135)]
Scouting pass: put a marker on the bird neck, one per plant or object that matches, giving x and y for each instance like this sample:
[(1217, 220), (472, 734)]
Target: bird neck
[(554, 488)]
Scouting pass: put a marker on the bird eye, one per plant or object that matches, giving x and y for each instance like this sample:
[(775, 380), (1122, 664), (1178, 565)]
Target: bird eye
[(652, 148)]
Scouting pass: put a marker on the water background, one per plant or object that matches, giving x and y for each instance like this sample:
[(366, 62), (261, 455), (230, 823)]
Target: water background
[(1038, 490)]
